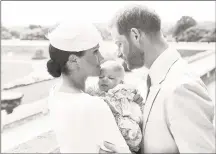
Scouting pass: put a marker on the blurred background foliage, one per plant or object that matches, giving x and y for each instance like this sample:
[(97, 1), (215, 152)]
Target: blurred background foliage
[(185, 29)]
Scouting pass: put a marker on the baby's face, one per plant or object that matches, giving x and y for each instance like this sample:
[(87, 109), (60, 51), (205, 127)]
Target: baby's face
[(109, 78)]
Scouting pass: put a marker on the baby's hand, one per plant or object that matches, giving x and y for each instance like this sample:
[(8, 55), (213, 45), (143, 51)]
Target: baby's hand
[(137, 97), (130, 91), (136, 113)]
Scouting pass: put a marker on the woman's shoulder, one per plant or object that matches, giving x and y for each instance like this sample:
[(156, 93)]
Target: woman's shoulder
[(99, 101), (70, 102), (94, 103), (55, 87), (90, 102), (99, 106)]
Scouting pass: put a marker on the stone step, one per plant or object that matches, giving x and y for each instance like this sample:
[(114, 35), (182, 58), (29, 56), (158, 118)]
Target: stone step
[(204, 65), (43, 143), (22, 134), (23, 114), (200, 56)]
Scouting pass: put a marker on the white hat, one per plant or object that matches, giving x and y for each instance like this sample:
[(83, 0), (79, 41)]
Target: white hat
[(75, 36)]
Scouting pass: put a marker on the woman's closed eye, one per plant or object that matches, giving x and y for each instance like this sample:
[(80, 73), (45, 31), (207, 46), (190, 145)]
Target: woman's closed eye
[(96, 51), (101, 77)]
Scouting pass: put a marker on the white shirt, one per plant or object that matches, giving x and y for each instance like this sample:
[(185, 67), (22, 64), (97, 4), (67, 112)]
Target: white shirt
[(82, 122)]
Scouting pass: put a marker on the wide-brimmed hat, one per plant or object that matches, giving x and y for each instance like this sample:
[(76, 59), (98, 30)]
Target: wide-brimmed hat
[(74, 37)]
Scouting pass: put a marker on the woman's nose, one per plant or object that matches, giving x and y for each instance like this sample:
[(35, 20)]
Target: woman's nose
[(119, 53), (100, 58)]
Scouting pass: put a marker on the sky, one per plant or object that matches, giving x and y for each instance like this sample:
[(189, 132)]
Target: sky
[(17, 13)]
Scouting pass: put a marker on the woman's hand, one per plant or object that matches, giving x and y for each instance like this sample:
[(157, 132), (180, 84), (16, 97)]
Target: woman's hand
[(114, 149)]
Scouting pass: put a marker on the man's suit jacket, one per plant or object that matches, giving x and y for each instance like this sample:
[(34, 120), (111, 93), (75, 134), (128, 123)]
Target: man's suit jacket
[(178, 114)]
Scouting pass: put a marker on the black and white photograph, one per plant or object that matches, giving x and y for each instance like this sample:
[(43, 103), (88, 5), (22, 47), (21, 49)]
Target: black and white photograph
[(130, 77)]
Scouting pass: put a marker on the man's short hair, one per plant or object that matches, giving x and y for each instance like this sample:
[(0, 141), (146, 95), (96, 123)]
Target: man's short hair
[(136, 16)]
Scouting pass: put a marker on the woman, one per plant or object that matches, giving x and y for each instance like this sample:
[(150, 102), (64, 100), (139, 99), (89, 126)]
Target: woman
[(81, 122)]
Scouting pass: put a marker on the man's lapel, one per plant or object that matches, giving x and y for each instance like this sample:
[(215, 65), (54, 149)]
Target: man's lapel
[(149, 103), (158, 73)]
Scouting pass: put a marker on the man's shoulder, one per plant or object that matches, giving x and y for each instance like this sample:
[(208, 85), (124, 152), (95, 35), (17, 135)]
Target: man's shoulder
[(186, 88), (181, 74), (182, 79), (185, 81)]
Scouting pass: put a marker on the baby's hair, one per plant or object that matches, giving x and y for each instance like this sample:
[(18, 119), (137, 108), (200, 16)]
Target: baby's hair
[(116, 66)]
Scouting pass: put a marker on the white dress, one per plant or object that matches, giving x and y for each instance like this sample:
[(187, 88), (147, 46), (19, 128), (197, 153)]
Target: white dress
[(82, 122)]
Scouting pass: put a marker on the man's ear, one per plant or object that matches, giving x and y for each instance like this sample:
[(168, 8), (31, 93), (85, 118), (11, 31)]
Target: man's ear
[(135, 35), (73, 61)]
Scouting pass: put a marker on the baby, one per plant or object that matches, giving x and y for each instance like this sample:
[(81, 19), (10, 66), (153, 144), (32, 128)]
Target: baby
[(111, 74), (119, 97)]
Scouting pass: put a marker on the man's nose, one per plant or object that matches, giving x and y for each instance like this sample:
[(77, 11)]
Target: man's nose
[(124, 57)]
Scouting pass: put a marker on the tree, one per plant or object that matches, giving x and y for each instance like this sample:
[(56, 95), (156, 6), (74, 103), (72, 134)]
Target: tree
[(103, 29), (4, 29), (15, 34), (210, 37), (33, 34), (34, 26), (184, 23), (5, 35), (193, 34)]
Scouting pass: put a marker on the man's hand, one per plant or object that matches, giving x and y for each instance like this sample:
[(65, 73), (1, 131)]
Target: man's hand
[(114, 149), (137, 97)]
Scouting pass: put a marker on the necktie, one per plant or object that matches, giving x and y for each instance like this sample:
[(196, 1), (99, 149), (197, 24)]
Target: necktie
[(148, 85)]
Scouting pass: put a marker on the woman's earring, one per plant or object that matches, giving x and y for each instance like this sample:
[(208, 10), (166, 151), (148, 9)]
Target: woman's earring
[(73, 58)]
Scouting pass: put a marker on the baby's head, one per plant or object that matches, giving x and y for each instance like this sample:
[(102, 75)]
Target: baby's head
[(111, 74)]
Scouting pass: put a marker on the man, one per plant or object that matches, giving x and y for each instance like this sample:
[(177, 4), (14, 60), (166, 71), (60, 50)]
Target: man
[(178, 113)]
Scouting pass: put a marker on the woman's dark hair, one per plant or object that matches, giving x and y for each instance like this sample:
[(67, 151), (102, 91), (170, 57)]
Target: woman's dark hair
[(58, 59)]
